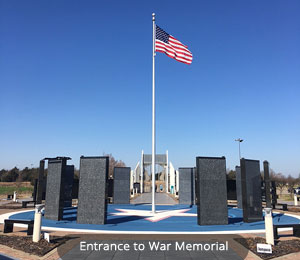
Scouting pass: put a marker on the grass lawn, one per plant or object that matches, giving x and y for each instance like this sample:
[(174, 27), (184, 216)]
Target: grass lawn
[(20, 188), (286, 197)]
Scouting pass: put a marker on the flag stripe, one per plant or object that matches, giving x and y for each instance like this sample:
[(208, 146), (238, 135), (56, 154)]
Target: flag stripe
[(180, 50), (179, 47), (173, 48), (176, 58), (158, 42), (168, 49), (173, 40), (174, 53)]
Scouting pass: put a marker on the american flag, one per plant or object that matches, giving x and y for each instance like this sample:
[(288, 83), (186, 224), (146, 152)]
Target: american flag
[(173, 48)]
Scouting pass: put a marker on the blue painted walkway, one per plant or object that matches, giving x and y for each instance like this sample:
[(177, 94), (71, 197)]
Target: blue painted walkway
[(6, 257), (170, 224)]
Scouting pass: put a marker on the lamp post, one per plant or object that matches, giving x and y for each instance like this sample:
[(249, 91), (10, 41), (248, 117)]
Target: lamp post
[(239, 140)]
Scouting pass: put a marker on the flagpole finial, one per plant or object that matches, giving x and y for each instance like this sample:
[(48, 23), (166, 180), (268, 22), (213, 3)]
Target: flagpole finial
[(153, 16)]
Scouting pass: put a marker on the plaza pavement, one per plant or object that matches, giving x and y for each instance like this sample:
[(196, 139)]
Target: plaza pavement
[(160, 199), (236, 250)]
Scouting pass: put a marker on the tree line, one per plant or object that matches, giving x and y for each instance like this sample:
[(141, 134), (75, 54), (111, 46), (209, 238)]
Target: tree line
[(15, 174), (282, 181), (30, 174)]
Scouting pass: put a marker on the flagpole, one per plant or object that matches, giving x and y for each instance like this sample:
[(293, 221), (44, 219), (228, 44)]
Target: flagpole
[(153, 117)]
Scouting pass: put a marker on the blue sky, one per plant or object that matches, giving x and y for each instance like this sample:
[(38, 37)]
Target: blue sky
[(75, 79)]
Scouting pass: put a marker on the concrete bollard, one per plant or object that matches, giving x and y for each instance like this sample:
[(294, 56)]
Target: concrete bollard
[(15, 196), (269, 226), (37, 223), (295, 199)]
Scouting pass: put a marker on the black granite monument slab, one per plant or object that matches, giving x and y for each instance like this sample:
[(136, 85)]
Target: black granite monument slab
[(212, 191), (40, 186), (92, 196), (251, 190), (68, 185), (121, 187), (273, 193), (54, 202), (263, 191), (75, 188), (267, 184), (110, 189), (231, 189), (186, 193), (34, 194), (238, 187), (44, 188)]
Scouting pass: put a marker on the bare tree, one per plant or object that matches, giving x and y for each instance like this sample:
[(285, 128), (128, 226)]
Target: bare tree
[(272, 175), (76, 173), (112, 164), (280, 180), (298, 180), (291, 183), (231, 174)]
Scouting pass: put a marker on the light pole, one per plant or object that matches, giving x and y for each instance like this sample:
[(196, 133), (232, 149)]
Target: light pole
[(239, 140)]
